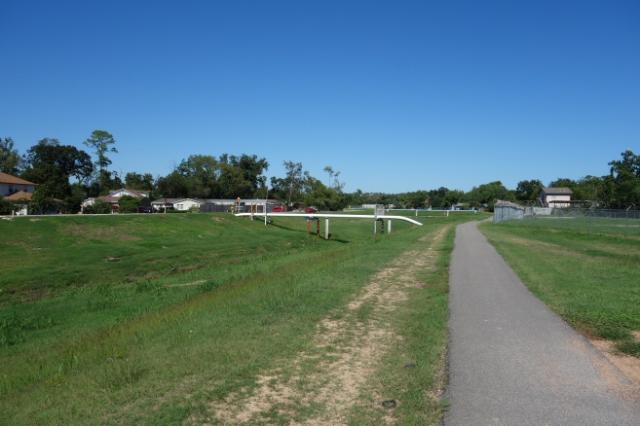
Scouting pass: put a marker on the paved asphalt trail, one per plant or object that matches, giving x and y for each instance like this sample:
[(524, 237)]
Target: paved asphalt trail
[(513, 361)]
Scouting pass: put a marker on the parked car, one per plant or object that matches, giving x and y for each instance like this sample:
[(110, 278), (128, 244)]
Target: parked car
[(145, 209), (278, 209), (310, 210)]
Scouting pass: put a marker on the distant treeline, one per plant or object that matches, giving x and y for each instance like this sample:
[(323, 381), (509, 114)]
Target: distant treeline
[(66, 175)]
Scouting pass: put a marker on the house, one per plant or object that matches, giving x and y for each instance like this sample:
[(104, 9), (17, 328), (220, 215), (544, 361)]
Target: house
[(178, 204), (114, 196), (556, 197), (163, 204), (256, 205), (10, 185), (186, 204)]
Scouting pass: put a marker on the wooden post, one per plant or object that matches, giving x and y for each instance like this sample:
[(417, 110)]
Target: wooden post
[(318, 227), (308, 226), (326, 229)]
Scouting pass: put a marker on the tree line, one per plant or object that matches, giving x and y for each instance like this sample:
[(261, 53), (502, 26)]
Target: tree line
[(620, 189), (66, 175)]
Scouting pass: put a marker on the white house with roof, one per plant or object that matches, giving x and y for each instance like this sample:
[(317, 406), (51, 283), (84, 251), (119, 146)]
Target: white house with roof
[(186, 204), (179, 204), (556, 197)]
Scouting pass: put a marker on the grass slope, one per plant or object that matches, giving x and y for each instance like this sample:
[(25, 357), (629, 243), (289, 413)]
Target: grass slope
[(149, 319), (586, 270)]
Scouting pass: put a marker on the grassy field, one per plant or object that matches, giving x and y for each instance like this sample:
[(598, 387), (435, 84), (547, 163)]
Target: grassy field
[(587, 270), (165, 318)]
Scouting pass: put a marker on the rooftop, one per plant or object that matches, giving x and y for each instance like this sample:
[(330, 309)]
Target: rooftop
[(19, 196), (14, 180), (561, 190)]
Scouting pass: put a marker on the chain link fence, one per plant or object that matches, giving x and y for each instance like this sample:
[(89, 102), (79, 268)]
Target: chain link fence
[(509, 211), (595, 213)]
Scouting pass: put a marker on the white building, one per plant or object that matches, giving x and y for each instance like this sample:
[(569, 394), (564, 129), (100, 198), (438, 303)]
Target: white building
[(556, 197), (186, 204)]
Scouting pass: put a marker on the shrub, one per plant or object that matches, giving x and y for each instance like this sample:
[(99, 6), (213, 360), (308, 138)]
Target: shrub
[(99, 207), (128, 204), (6, 207)]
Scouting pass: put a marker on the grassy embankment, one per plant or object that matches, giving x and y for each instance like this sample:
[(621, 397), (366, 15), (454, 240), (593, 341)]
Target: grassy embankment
[(153, 319), (586, 270)]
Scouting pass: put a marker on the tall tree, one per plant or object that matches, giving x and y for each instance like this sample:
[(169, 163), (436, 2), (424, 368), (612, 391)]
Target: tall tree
[(487, 194), (528, 190), (135, 180), (294, 179), (321, 196), (102, 143), (51, 165), (9, 158), (242, 176), (626, 178), (334, 178), (200, 173), (563, 182)]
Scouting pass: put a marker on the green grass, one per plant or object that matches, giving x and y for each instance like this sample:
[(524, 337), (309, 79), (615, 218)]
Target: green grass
[(150, 319), (586, 270)]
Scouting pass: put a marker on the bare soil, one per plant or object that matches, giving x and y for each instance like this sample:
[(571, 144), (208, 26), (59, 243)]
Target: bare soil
[(324, 382)]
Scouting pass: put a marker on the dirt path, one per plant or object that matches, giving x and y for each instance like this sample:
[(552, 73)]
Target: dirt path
[(323, 383), (513, 361)]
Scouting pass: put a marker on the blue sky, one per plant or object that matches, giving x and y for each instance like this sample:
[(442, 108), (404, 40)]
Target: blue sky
[(396, 95)]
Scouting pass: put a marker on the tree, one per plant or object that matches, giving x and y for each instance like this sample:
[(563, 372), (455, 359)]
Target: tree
[(334, 178), (6, 207), (51, 165), (290, 187), (200, 176), (241, 176), (438, 198), (135, 180), (102, 142), (593, 189), (294, 179), (626, 179), (9, 158), (128, 204), (321, 196), (563, 182), (174, 185), (413, 200), (487, 194), (528, 190)]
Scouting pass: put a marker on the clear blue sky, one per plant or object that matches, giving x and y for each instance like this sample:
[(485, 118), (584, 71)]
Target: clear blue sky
[(397, 95)]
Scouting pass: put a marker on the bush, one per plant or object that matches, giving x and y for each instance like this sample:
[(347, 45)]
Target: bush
[(99, 207), (128, 204), (43, 204), (6, 207)]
